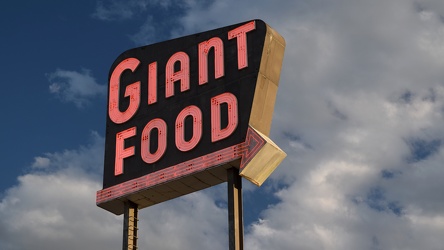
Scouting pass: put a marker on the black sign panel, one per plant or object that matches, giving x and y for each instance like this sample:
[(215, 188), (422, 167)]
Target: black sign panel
[(159, 89)]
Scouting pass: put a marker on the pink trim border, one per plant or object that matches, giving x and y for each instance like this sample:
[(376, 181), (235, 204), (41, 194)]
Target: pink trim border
[(245, 150)]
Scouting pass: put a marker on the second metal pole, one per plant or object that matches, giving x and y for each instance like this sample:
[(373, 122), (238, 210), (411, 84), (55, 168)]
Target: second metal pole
[(235, 213)]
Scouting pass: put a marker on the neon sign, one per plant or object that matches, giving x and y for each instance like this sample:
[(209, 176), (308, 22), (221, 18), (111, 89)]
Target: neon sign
[(182, 111)]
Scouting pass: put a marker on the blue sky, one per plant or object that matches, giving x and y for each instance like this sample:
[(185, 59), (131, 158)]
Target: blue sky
[(360, 113)]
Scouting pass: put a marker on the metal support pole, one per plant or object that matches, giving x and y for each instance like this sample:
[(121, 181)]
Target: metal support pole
[(235, 216), (130, 226)]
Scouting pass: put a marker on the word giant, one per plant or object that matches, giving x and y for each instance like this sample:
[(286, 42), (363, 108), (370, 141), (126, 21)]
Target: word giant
[(183, 111)]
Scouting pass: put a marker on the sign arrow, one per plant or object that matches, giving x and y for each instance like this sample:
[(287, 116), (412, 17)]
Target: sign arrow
[(260, 158)]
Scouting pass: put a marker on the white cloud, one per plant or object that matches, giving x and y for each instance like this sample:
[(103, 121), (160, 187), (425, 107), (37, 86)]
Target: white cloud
[(53, 207), (190, 222), (41, 162), (55, 211), (76, 87)]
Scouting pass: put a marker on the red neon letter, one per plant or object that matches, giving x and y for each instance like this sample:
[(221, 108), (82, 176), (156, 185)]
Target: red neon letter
[(183, 74), (132, 90), (195, 112), (204, 48), (241, 34), (161, 141), (121, 151), (218, 133), (152, 83)]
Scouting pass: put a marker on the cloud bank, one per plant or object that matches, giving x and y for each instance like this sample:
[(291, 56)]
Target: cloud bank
[(53, 206)]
